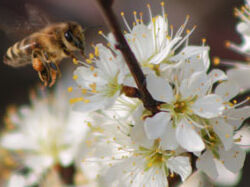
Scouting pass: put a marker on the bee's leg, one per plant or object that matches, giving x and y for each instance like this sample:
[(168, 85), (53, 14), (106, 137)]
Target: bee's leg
[(40, 66), (53, 67), (54, 70)]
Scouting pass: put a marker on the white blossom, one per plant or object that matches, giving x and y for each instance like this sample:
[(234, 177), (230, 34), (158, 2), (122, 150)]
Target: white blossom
[(188, 105), (47, 132), (100, 83), (134, 160)]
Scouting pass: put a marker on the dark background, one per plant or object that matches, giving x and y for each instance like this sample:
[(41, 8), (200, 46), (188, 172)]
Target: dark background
[(214, 19)]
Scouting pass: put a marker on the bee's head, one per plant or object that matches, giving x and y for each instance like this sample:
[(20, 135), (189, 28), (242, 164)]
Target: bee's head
[(74, 36)]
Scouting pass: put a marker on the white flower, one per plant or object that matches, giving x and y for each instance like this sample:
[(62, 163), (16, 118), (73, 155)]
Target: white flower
[(240, 74), (244, 29), (240, 71), (47, 132), (133, 159), (100, 83), (188, 105), (155, 43), (156, 46), (232, 160), (17, 180)]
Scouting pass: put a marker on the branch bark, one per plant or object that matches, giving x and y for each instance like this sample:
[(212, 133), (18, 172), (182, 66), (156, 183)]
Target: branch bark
[(122, 45), (135, 69)]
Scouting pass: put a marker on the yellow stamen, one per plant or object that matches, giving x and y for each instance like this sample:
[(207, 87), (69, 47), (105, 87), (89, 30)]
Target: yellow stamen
[(89, 61), (75, 61), (216, 61), (74, 100), (91, 56), (70, 89), (227, 44), (150, 164), (86, 100), (84, 91), (96, 51)]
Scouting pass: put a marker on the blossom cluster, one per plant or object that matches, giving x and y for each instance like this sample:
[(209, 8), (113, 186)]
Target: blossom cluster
[(123, 143), (196, 113)]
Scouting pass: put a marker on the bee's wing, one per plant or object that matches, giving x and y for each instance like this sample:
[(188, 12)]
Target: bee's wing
[(20, 22), (36, 17)]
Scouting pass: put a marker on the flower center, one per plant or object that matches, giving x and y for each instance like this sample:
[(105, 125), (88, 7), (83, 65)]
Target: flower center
[(180, 106), (155, 157), (112, 87)]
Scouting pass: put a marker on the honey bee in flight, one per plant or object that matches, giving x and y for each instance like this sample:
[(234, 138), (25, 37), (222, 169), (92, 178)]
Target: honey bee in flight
[(46, 48)]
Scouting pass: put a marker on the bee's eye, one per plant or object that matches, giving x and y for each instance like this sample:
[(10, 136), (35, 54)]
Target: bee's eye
[(69, 36)]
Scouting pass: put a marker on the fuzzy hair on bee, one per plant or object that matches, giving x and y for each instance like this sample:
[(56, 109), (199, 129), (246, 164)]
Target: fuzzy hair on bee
[(45, 49)]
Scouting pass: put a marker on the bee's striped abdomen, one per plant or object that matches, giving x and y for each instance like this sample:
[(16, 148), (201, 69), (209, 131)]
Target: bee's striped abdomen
[(19, 54)]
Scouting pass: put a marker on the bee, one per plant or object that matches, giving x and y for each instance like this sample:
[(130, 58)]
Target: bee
[(46, 48)]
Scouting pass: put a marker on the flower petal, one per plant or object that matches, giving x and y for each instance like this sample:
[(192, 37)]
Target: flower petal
[(216, 75), (180, 165), (159, 88), (233, 159), (168, 139), (17, 180), (236, 116), (227, 90), (156, 126), (188, 138), (197, 84), (209, 106), (224, 131), (226, 177), (66, 157), (206, 164), (240, 76), (165, 53), (39, 163), (95, 102), (140, 40), (139, 136), (17, 141)]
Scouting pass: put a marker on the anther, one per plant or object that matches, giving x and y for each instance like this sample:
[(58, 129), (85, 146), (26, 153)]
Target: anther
[(70, 89), (216, 61)]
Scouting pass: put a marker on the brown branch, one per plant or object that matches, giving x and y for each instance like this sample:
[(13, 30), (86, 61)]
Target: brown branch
[(122, 45), (67, 173), (136, 71)]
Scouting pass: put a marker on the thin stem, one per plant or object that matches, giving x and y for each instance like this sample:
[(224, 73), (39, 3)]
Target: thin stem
[(135, 69), (67, 174), (122, 45)]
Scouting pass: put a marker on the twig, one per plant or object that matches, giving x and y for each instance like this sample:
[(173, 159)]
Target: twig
[(67, 174), (122, 45), (135, 69)]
